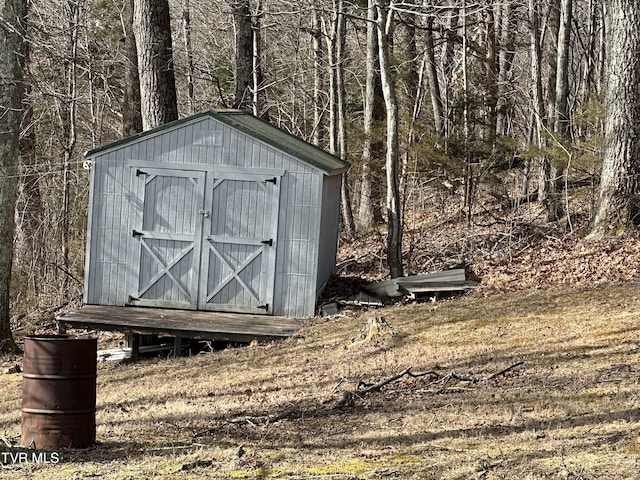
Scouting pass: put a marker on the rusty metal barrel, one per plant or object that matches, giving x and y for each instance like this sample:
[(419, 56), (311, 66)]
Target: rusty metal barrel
[(59, 392)]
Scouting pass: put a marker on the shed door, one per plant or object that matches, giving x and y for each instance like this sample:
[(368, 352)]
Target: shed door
[(167, 231), (239, 243)]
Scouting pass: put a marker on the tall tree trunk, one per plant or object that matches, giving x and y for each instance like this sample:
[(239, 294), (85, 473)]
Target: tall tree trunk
[(258, 99), (468, 174), (243, 53), (505, 63), (589, 71), (410, 90), (152, 30), (448, 64), (384, 23), (538, 115), (602, 40), (188, 47), (432, 78), (318, 77), (340, 44), (551, 39), (554, 206), (131, 103), (536, 72), (68, 119), (369, 205), (561, 126), (329, 33), (618, 206), (491, 64), (30, 198), (13, 17), (548, 181), (335, 39)]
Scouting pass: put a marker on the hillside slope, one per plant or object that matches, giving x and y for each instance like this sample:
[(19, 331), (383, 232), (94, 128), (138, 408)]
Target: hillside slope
[(531, 384)]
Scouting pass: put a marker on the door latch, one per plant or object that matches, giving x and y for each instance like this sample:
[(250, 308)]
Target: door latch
[(204, 213)]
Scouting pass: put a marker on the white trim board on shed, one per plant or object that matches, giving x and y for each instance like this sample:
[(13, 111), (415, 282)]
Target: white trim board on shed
[(219, 211)]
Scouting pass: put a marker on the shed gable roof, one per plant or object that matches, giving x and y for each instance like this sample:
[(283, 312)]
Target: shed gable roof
[(254, 127)]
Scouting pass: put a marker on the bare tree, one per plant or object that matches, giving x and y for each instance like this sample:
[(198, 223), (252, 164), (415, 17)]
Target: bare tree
[(369, 207), (491, 65), (68, 112), (152, 30), (561, 114), (188, 47), (506, 57), (30, 235), (448, 60), (131, 104), (618, 207), (335, 36), (243, 53), (384, 22), (318, 76), (13, 16), (340, 57), (432, 78)]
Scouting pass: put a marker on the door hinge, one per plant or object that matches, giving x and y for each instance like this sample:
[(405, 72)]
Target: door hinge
[(264, 307), (140, 172), (271, 180), (268, 242), (136, 233)]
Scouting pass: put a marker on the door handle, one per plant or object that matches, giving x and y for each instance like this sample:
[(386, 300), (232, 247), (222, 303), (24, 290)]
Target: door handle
[(204, 213)]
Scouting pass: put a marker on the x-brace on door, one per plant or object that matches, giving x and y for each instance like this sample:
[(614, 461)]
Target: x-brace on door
[(239, 243), (204, 240), (167, 233)]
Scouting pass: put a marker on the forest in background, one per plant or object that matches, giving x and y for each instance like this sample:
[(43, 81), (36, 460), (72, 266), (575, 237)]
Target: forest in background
[(500, 113)]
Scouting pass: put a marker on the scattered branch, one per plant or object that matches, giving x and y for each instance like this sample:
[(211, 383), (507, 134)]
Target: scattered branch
[(504, 370), (361, 390), (7, 441), (253, 420), (196, 464), (347, 395)]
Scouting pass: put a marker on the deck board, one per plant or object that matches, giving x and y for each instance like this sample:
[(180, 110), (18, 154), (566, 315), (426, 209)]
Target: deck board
[(182, 323)]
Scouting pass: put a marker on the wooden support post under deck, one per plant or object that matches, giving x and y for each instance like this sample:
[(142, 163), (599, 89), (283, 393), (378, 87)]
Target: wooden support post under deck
[(62, 328), (177, 346), (132, 340)]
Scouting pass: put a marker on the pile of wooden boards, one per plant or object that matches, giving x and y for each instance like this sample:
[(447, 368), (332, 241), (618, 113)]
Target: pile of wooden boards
[(420, 285)]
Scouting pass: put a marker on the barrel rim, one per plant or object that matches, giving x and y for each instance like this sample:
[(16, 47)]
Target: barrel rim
[(59, 337)]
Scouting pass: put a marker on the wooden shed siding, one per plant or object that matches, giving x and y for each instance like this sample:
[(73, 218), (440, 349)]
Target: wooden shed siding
[(107, 267), (298, 250), (301, 262), (330, 215)]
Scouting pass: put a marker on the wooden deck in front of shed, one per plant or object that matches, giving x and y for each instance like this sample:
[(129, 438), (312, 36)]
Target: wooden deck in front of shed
[(181, 323)]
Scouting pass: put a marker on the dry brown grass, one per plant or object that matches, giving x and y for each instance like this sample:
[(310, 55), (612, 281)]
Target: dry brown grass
[(569, 411)]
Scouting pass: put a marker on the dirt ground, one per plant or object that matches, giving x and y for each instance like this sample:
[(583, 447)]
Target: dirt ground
[(533, 384)]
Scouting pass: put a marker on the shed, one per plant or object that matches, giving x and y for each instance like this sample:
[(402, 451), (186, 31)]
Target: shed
[(218, 211)]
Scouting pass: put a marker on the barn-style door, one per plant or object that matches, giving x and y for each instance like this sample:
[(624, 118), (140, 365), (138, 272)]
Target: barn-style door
[(238, 251), (167, 233), (203, 240)]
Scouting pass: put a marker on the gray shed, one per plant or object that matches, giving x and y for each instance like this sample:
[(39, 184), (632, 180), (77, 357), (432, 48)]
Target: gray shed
[(219, 211)]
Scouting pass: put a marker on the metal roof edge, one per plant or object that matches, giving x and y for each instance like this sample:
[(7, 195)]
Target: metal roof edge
[(226, 117)]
